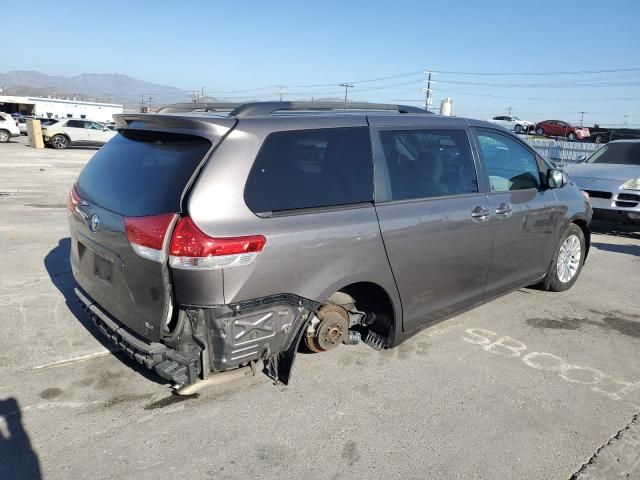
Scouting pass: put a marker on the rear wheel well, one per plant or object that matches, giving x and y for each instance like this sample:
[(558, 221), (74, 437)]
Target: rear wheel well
[(372, 298), (587, 234)]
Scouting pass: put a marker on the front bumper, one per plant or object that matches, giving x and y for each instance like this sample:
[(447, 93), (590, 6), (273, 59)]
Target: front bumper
[(608, 195)]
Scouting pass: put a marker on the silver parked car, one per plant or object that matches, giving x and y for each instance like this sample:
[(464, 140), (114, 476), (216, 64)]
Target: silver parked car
[(611, 177), (204, 243)]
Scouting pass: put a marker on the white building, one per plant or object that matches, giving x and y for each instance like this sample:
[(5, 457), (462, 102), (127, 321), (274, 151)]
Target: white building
[(59, 108)]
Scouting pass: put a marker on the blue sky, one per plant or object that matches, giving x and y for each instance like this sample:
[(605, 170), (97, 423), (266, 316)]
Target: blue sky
[(227, 46)]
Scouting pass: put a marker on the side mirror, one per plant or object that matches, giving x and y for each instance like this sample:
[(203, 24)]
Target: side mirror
[(556, 178), (581, 158)]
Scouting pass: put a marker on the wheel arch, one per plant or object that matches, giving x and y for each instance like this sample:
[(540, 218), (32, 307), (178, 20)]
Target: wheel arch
[(371, 297), (586, 231)]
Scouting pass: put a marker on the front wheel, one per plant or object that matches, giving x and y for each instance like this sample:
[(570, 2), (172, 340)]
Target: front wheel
[(599, 139), (540, 131), (517, 128), (4, 136), (59, 142), (568, 261), (571, 136)]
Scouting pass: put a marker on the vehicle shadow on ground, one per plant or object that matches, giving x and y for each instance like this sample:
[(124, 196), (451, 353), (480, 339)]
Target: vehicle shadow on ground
[(614, 247), (18, 460), (59, 269), (619, 231)]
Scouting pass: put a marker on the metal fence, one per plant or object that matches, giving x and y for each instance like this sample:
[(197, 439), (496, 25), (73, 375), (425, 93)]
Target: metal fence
[(562, 152)]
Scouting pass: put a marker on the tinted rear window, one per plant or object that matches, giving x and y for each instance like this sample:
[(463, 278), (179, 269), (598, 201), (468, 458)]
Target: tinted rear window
[(311, 168), (141, 173)]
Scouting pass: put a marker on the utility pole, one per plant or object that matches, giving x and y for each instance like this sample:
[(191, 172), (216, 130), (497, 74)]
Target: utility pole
[(281, 87), (346, 86), (509, 110), (624, 125), (427, 91), (203, 92), (149, 102), (581, 117), (142, 104)]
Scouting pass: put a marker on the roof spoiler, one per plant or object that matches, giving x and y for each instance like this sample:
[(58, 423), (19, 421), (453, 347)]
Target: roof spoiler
[(253, 109)]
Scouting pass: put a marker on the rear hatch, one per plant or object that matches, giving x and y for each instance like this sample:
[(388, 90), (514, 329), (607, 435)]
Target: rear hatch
[(133, 188)]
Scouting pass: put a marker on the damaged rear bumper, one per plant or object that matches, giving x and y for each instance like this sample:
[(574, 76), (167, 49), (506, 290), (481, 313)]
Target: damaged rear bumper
[(217, 338), (166, 362)]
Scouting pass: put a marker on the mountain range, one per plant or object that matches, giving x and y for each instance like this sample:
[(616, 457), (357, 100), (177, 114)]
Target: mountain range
[(100, 87), (111, 87)]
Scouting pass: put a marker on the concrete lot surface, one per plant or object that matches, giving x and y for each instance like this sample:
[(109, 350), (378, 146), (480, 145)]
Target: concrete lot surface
[(534, 385)]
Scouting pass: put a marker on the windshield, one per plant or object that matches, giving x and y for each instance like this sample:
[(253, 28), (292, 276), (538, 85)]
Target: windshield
[(626, 153)]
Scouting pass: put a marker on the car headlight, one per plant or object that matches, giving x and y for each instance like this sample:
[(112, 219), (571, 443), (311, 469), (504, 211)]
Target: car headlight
[(633, 184)]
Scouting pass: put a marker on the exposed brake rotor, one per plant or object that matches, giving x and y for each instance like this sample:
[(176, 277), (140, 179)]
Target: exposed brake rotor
[(328, 329)]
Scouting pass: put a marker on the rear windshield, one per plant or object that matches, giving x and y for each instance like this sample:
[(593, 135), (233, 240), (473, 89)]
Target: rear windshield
[(624, 153), (140, 173)]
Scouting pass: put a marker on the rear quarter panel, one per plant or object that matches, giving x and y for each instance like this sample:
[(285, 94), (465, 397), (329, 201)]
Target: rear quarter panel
[(310, 254)]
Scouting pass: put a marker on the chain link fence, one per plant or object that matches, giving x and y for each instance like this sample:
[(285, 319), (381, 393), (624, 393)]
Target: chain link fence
[(562, 152)]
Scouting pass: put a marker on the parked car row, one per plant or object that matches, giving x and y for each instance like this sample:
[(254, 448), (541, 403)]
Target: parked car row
[(551, 128), (59, 133), (559, 128)]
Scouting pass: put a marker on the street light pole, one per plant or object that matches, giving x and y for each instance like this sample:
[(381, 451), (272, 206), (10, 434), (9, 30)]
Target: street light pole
[(346, 90), (581, 117)]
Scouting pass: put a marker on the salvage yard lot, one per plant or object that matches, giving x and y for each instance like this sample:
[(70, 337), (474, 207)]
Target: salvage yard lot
[(528, 386)]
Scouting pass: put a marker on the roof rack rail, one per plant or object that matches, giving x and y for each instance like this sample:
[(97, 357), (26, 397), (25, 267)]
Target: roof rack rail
[(199, 107), (253, 109)]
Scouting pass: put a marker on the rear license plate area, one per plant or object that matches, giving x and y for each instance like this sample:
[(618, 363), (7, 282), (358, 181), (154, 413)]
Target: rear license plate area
[(102, 267)]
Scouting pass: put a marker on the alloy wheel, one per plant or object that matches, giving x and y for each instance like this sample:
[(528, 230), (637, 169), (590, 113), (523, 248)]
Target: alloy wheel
[(569, 258)]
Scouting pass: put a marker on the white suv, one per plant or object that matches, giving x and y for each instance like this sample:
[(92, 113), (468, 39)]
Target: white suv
[(8, 127), (77, 132)]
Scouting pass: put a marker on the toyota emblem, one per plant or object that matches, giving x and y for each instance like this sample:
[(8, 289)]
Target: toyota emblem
[(94, 222)]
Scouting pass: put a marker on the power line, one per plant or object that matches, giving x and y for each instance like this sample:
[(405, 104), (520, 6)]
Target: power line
[(423, 71), (576, 72)]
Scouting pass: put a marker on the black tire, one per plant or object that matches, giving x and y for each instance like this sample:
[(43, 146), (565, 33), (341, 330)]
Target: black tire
[(540, 131), (554, 281), (598, 139), (59, 142), (517, 128), (5, 136), (571, 136)]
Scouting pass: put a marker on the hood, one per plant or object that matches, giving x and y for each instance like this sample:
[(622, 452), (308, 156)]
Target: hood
[(604, 170)]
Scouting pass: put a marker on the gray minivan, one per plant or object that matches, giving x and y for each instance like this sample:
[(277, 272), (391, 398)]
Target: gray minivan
[(202, 243)]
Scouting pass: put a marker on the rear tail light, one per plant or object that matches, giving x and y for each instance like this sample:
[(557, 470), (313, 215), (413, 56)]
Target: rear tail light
[(147, 234), (73, 199), (191, 248)]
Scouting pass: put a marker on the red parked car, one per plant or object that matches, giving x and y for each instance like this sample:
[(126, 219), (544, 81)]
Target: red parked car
[(558, 128)]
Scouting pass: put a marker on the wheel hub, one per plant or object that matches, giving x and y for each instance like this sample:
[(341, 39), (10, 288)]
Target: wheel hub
[(328, 330)]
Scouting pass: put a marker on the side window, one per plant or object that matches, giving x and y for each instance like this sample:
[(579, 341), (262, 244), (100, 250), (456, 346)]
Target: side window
[(426, 163), (510, 166), (311, 168), (75, 124), (93, 125)]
